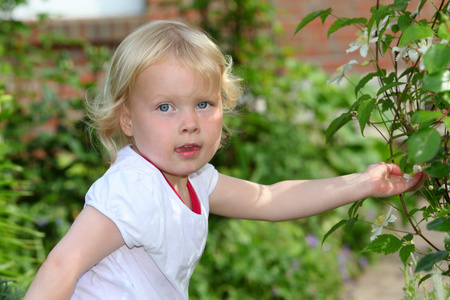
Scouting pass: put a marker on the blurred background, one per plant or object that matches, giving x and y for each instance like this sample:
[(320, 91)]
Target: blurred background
[(53, 52)]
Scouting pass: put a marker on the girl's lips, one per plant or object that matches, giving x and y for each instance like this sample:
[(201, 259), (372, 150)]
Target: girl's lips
[(188, 151)]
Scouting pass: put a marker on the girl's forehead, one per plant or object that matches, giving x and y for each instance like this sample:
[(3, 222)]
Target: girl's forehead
[(203, 79), (171, 78)]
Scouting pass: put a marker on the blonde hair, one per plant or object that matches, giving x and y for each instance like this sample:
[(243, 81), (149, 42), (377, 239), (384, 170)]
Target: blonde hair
[(148, 45)]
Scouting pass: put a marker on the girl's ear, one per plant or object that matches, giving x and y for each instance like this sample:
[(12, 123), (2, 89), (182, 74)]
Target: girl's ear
[(125, 122)]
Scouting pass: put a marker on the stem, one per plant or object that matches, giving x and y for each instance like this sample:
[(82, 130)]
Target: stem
[(446, 197), (399, 103), (377, 45), (437, 14), (415, 228), (379, 131)]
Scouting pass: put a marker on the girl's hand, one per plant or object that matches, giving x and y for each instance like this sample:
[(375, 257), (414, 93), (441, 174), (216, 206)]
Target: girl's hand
[(387, 180)]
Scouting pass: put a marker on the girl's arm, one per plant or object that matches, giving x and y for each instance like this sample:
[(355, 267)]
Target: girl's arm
[(296, 199), (91, 238)]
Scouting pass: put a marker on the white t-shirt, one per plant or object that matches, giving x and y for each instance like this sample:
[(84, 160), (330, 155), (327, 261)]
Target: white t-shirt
[(164, 239)]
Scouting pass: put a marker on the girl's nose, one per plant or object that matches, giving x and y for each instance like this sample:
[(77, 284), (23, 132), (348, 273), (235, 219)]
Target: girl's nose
[(189, 123)]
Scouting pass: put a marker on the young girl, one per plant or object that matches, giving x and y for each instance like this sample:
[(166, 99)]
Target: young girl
[(144, 225)]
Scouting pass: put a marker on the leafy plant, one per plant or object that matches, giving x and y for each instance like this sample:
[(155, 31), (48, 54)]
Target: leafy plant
[(409, 111), (278, 135), (9, 292), (46, 129), (21, 245)]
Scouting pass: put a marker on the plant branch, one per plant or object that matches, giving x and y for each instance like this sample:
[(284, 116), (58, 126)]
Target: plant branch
[(415, 228), (379, 131), (437, 14)]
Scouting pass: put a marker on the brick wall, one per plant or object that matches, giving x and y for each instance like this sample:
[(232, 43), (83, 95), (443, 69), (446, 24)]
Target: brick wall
[(311, 44)]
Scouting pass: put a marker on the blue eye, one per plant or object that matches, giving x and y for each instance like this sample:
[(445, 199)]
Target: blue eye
[(203, 105), (165, 107)]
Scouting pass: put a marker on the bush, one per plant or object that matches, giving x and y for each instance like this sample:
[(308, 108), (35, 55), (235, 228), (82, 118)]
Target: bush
[(21, 245), (279, 134), (8, 292)]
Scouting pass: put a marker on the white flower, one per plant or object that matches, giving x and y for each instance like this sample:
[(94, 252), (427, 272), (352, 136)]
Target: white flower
[(405, 52), (340, 72), (260, 105), (445, 184), (364, 38), (424, 45), (417, 169), (414, 51), (382, 221), (362, 42), (407, 177), (390, 25)]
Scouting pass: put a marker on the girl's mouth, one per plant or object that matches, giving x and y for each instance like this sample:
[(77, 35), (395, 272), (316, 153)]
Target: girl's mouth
[(188, 151)]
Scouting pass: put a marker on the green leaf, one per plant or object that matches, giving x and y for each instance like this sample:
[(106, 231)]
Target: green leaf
[(350, 223), (378, 14), (400, 5), (423, 145), (333, 229), (437, 58), (438, 170), (428, 276), (427, 262), (403, 163), (447, 242), (354, 208), (443, 31), (415, 33), (404, 22), (447, 122), (337, 124), (389, 86), (405, 253), (422, 3), (408, 238), (439, 224), (407, 72), (426, 117), (364, 111), (323, 14), (437, 82), (342, 22), (385, 243), (366, 79)]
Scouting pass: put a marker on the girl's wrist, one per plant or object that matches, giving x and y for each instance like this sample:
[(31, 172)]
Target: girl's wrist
[(364, 185)]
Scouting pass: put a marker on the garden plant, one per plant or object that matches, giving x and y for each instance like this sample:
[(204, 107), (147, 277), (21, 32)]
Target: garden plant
[(49, 162), (409, 112)]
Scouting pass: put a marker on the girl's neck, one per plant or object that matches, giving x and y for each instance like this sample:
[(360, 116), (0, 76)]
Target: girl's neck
[(179, 183)]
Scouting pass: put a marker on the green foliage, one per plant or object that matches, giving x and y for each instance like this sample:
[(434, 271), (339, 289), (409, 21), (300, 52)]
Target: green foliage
[(8, 292), (21, 245), (409, 111), (279, 133), (46, 129), (46, 165), (263, 260)]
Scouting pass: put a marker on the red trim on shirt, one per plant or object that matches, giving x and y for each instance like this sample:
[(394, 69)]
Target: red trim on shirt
[(196, 207), (194, 199)]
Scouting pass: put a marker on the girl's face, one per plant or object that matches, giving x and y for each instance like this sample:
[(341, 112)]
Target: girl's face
[(174, 122)]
